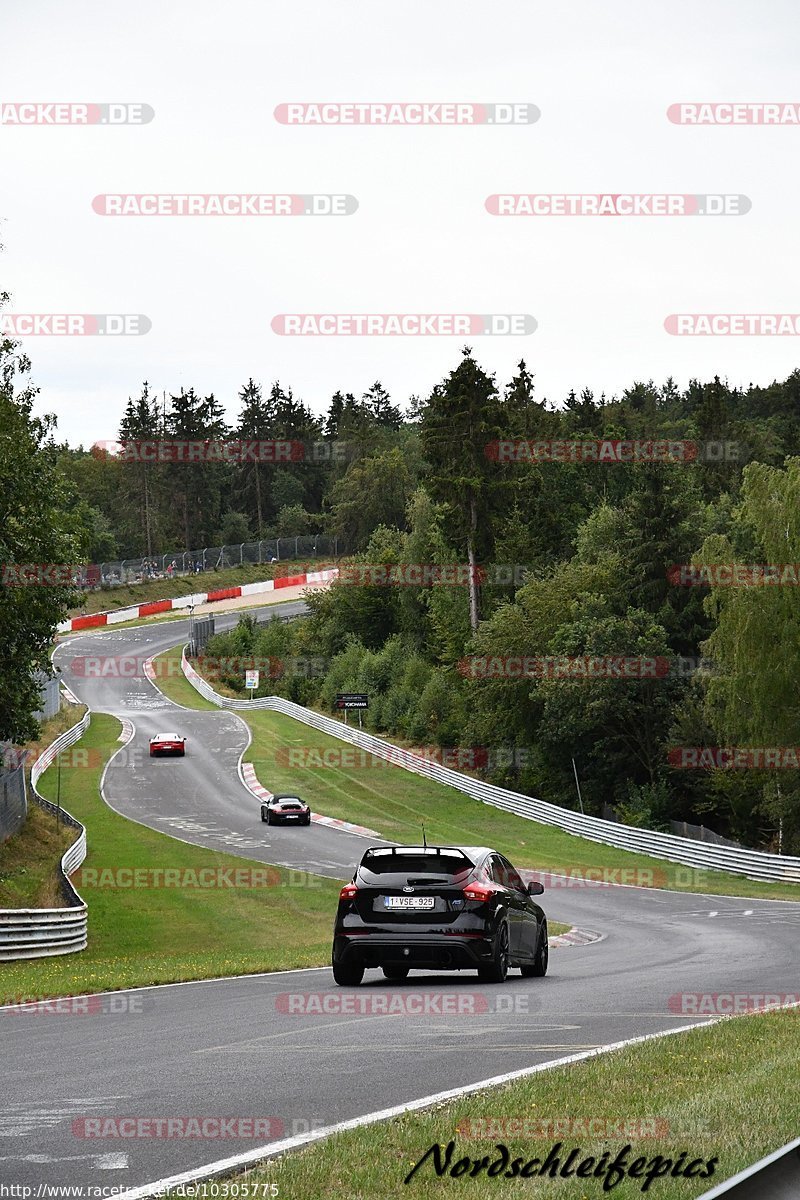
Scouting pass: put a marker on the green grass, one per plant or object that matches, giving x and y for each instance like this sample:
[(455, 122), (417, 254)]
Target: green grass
[(395, 803), (111, 599), (29, 876), (145, 935), (712, 1091), (174, 684)]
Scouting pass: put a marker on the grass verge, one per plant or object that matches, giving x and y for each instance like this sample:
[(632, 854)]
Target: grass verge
[(337, 780), (124, 596), (708, 1093), (29, 861), (144, 935), (29, 876)]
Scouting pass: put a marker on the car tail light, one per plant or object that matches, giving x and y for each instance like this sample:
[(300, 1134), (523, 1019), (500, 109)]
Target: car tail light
[(348, 891), (479, 891)]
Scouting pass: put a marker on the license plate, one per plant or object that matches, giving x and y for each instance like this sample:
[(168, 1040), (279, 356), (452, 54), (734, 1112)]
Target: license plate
[(408, 901)]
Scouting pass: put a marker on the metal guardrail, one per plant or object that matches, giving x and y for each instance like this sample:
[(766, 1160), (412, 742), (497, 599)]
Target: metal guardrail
[(755, 864), (776, 1177), (43, 932)]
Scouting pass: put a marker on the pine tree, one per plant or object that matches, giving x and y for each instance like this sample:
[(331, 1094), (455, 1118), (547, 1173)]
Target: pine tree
[(379, 405), (256, 423), (141, 422), (461, 419)]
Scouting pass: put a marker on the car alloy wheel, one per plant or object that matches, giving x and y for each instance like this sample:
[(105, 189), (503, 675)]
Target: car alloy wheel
[(498, 970), (539, 967)]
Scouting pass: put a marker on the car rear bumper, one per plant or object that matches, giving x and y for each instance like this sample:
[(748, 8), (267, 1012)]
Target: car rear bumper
[(448, 952), (179, 750), (286, 819)]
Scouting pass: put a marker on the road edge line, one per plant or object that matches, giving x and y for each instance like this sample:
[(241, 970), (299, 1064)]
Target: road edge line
[(273, 1149)]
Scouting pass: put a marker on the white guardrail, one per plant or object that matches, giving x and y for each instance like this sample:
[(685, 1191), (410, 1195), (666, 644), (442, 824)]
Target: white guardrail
[(42, 932), (755, 864)]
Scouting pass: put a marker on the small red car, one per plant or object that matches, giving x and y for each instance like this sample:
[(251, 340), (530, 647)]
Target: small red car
[(167, 743)]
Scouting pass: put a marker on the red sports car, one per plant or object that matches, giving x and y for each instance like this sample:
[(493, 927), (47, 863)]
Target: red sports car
[(167, 743)]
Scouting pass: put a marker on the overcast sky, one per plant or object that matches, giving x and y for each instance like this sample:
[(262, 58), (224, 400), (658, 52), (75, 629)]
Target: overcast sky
[(603, 76)]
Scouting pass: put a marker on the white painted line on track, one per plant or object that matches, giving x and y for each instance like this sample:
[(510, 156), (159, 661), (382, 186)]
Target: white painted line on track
[(152, 987), (240, 1161)]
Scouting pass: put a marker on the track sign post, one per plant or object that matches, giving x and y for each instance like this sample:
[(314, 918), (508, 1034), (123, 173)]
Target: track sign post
[(344, 701), (251, 681)]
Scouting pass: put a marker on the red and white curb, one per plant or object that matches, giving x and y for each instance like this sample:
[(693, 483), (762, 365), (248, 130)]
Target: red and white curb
[(252, 784), (154, 607), (127, 731), (261, 793), (574, 937), (348, 826)]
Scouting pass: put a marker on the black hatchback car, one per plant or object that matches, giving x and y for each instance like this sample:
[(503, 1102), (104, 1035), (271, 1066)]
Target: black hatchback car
[(442, 908)]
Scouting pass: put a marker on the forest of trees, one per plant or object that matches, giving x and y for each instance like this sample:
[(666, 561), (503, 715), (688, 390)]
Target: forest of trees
[(138, 508), (572, 559), (569, 560)]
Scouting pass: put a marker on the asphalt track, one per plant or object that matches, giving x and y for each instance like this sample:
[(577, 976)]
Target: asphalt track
[(199, 798), (259, 1047)]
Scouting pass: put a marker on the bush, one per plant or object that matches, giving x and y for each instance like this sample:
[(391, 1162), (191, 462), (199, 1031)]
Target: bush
[(647, 806)]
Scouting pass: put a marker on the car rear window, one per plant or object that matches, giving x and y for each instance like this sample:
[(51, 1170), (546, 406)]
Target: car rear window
[(415, 861)]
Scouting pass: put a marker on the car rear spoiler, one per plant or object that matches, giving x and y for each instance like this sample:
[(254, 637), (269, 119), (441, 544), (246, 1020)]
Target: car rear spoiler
[(402, 851)]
